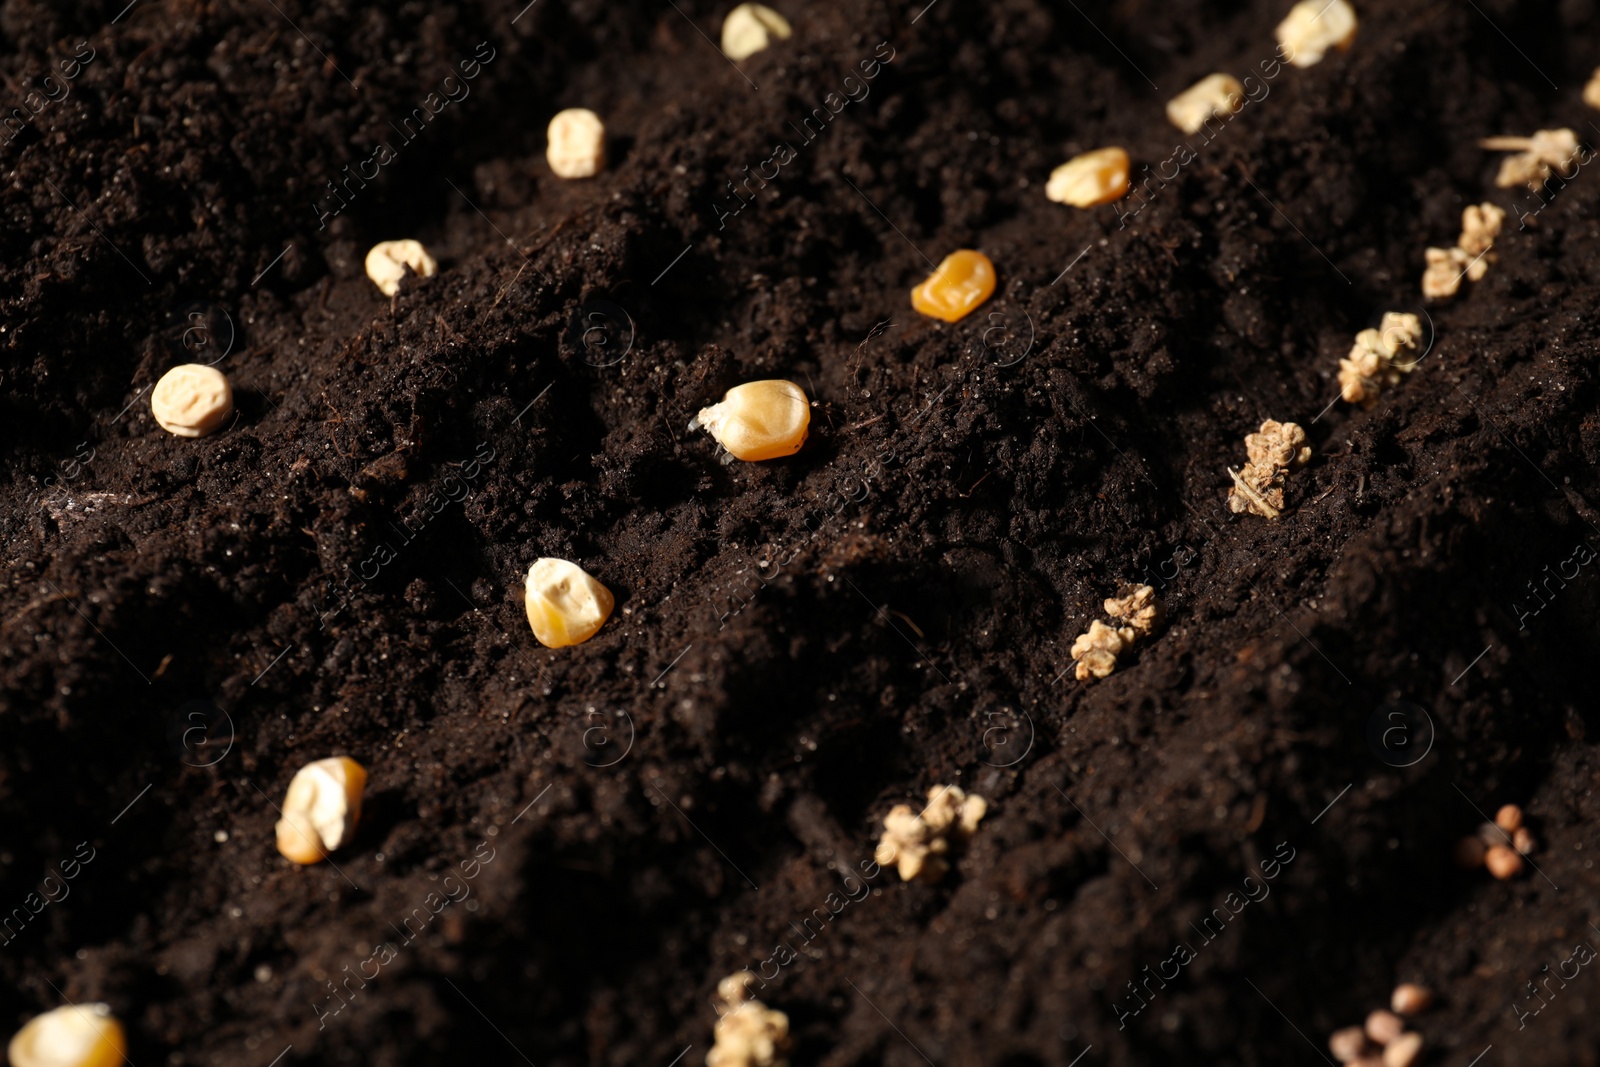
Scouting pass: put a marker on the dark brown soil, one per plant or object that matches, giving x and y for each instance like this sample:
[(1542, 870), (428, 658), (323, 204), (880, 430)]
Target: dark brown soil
[(798, 645)]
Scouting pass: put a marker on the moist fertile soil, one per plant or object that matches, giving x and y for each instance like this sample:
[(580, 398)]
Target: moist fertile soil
[(562, 851)]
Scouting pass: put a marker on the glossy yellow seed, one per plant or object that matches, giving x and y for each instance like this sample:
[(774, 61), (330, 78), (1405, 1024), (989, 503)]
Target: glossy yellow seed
[(751, 27), (576, 143), (192, 400), (963, 280), (758, 420), (1097, 177), (566, 605), (388, 260), (82, 1035), (321, 809)]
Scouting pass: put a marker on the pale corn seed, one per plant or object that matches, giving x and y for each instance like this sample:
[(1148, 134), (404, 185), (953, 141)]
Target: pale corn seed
[(192, 400), (1503, 862), (321, 809), (80, 1035), (751, 27), (566, 605), (747, 1032), (1348, 1044), (388, 261), (1410, 999), (1214, 95), (1508, 818), (576, 143), (1312, 27), (1384, 1026), (758, 420), (1097, 177), (1403, 1051)]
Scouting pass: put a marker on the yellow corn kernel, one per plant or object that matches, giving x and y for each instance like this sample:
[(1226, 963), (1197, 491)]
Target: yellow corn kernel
[(321, 809), (1097, 177), (964, 279), (80, 1035), (758, 420), (749, 28), (566, 605), (1216, 94)]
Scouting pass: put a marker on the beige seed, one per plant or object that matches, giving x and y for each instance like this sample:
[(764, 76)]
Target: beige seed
[(1314, 26), (1403, 1051), (1503, 862), (1591, 91), (1410, 999), (1469, 853), (1522, 840), (566, 605), (1214, 95), (80, 1035), (758, 420), (1384, 1026), (388, 261), (192, 400), (1347, 1045), (1097, 177), (751, 27), (1508, 818), (577, 143), (321, 809)]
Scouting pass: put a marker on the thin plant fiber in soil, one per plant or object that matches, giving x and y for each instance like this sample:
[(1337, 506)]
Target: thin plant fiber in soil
[(801, 644)]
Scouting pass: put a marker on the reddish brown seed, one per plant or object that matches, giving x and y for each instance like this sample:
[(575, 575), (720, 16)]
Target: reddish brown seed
[(1508, 818), (1469, 853), (1410, 998), (1503, 862), (1384, 1026)]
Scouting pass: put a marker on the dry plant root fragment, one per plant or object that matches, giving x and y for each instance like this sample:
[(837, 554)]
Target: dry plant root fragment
[(963, 280), (388, 261), (1314, 26), (1480, 226), (1534, 158), (81, 1035), (1274, 450), (748, 1033), (751, 27), (1216, 95), (1097, 177), (758, 420), (576, 143), (1379, 359), (919, 846), (566, 605), (321, 809), (192, 400)]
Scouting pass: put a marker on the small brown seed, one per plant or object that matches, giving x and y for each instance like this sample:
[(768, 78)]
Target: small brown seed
[(1508, 818), (1384, 1026), (1410, 998), (1503, 862), (1522, 840), (1491, 835), (1403, 1051), (1469, 853), (1348, 1044)]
